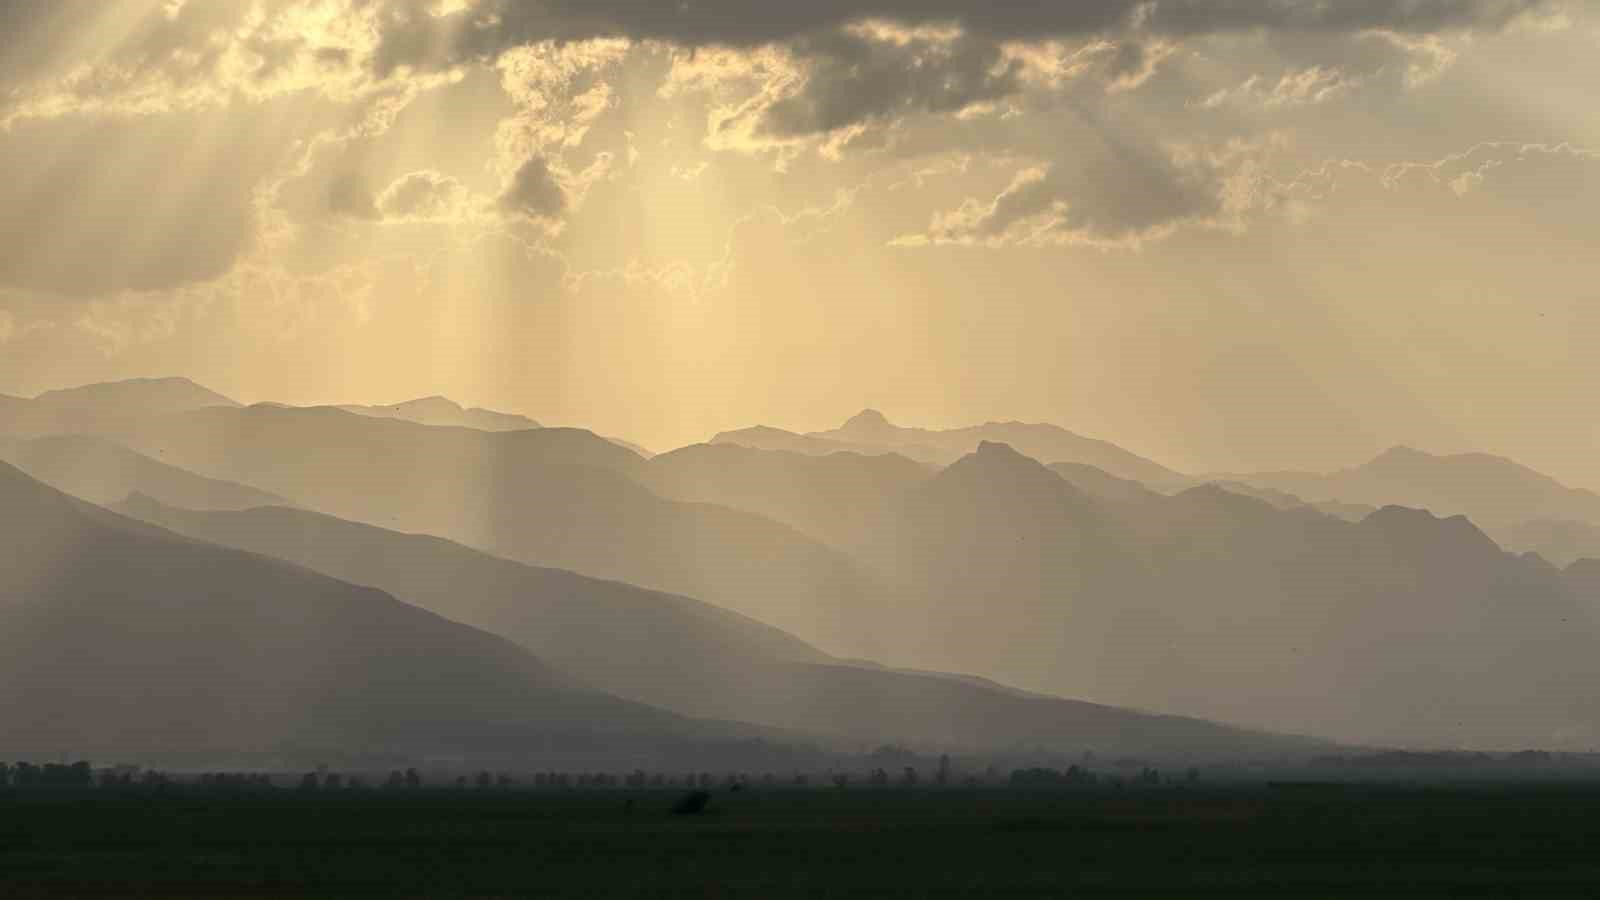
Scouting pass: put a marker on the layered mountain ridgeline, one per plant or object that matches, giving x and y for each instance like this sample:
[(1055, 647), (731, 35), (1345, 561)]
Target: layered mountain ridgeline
[(1562, 542), (1492, 491), (117, 637), (1400, 628), (556, 497), (833, 497), (91, 407), (104, 473), (700, 660), (872, 433), (446, 412)]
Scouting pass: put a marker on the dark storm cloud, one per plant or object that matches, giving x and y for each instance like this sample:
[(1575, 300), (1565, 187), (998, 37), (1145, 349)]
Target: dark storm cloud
[(855, 79), (413, 37)]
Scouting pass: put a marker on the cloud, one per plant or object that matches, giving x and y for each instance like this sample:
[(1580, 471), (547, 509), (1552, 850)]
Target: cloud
[(1117, 195), (534, 192), (349, 195), (412, 36), (425, 196)]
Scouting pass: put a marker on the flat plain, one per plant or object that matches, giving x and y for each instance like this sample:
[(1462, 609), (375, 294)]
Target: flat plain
[(1286, 840)]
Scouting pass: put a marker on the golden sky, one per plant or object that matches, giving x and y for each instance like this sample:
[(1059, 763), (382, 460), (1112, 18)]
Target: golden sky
[(1254, 234)]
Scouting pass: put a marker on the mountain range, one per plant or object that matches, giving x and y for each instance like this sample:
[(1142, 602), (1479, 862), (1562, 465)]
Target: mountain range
[(118, 637), (872, 433), (697, 659), (831, 584)]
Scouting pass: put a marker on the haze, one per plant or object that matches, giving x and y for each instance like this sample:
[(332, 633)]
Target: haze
[(752, 382)]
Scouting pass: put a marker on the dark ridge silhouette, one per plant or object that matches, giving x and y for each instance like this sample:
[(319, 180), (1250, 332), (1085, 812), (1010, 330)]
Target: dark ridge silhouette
[(833, 497), (1402, 628), (1493, 491), (563, 498), (444, 411), (104, 473), (117, 637), (678, 653)]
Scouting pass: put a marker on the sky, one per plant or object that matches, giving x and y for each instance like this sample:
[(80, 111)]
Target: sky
[(1252, 234)]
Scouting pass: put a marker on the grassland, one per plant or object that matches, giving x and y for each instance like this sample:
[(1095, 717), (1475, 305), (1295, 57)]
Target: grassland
[(1300, 842)]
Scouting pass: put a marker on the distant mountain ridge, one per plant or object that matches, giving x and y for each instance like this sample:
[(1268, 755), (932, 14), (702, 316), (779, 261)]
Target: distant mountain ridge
[(438, 410), (871, 431), (1493, 491), (90, 407), (1402, 628)]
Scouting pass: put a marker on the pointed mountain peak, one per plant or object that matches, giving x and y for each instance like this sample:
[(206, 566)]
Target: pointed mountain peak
[(867, 422), (1400, 455), (996, 461), (429, 405)]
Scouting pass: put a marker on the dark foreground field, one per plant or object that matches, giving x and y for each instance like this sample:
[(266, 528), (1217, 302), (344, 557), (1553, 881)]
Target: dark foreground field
[(1298, 842)]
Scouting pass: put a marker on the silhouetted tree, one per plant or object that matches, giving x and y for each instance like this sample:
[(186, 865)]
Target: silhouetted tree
[(396, 781), (943, 777), (413, 778), (333, 781), (310, 781), (5, 775), (909, 778)]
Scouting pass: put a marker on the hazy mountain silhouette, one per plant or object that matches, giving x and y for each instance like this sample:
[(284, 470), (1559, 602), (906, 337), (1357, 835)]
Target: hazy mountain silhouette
[(1400, 628), (870, 432), (104, 473), (1097, 482), (762, 437), (1560, 541), (555, 497), (91, 406), (444, 411), (117, 637), (697, 659), (833, 497), (1492, 491)]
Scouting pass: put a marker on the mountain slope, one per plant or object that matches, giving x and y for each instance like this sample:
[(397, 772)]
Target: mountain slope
[(116, 637), (1402, 628), (104, 473), (1492, 491), (444, 411), (699, 660), (831, 497), (90, 406), (554, 497), (1046, 443)]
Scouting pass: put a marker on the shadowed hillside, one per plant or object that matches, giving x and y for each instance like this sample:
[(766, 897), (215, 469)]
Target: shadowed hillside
[(122, 638), (105, 473), (555, 497), (681, 654)]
